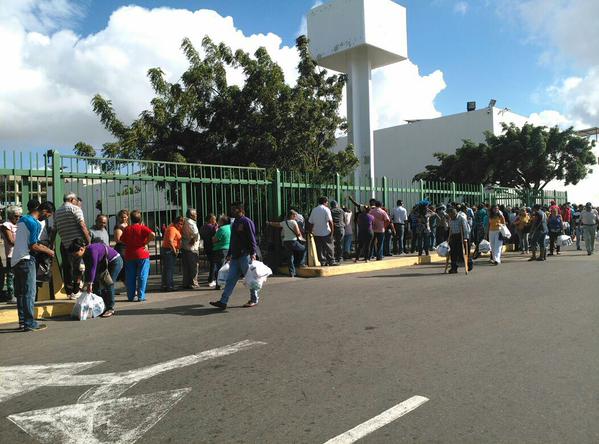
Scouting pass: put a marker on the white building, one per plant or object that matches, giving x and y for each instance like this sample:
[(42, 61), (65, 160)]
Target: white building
[(402, 151)]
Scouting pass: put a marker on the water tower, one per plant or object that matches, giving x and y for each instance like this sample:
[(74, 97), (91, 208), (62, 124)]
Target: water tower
[(355, 37)]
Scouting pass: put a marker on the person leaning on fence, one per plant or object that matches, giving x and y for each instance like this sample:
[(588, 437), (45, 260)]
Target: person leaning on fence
[(221, 242), (322, 228), (70, 224), (242, 252), (24, 268), (136, 237), (338, 216), (98, 258), (459, 232), (293, 241), (589, 219), (538, 231), (399, 218), (169, 251), (190, 250), (8, 230)]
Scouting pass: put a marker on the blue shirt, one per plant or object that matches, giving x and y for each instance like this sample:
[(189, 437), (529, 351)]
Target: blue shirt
[(28, 233)]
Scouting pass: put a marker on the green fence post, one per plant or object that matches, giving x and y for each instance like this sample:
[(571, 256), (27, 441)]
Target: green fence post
[(183, 198), (454, 194), (386, 192), (555, 196), (338, 188), (277, 195), (482, 193), (421, 189), (25, 190), (56, 177)]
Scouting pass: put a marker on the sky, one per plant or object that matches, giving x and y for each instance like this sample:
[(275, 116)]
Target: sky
[(536, 57)]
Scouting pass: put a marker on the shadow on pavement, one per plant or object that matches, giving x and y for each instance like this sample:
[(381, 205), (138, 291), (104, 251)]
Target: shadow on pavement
[(182, 310)]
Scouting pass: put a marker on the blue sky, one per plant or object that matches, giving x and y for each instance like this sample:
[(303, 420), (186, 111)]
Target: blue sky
[(482, 53)]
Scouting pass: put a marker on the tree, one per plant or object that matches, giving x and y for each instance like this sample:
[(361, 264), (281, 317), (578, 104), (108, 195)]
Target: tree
[(525, 158), (265, 122)]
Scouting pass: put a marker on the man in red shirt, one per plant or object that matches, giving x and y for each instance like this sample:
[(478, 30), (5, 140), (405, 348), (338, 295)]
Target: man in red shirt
[(137, 257)]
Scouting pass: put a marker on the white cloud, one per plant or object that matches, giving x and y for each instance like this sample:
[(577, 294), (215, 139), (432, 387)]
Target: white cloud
[(461, 7), (49, 74)]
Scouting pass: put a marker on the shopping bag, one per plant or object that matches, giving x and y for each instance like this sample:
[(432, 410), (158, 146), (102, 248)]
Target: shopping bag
[(564, 240), (256, 275), (546, 241), (88, 305), (223, 273), (443, 249), (505, 231), (484, 246)]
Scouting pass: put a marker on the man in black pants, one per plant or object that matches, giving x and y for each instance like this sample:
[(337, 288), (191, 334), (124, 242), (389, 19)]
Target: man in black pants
[(459, 233)]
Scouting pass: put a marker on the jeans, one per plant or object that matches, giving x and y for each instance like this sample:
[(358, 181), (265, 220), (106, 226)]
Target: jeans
[(398, 240), (324, 249), (578, 237), (189, 261), (387, 242), (8, 279), (25, 290), (136, 272), (379, 239), (167, 267), (237, 266), (431, 239), (590, 231), (217, 260), (114, 268), (338, 242), (296, 251), (421, 243), (347, 244)]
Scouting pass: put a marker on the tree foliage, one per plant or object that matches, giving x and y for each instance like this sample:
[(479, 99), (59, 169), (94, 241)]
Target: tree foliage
[(525, 158), (266, 122)]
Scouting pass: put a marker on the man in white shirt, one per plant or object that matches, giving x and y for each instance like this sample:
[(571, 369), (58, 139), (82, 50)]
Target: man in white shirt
[(190, 249), (589, 219), (399, 215), (321, 226)]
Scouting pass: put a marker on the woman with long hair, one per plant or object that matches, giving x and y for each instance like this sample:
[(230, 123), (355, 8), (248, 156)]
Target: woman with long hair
[(496, 219)]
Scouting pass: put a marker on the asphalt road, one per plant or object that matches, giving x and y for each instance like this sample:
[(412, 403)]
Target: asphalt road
[(508, 354)]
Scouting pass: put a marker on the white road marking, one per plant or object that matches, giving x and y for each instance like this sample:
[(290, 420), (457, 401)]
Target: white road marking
[(378, 421), (114, 421)]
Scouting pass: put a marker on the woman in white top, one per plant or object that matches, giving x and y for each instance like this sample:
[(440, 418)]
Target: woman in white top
[(348, 237), (293, 241)]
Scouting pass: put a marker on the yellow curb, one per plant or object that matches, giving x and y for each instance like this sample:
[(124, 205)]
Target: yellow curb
[(49, 309)]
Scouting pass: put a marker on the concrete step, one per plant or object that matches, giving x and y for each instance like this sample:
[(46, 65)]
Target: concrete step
[(43, 309)]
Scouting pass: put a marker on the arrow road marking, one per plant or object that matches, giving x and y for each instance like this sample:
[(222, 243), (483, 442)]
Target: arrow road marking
[(378, 421)]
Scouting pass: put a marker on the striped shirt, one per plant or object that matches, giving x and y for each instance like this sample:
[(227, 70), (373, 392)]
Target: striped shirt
[(457, 225), (67, 221)]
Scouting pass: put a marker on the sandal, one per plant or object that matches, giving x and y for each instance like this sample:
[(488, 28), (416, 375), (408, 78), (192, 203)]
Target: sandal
[(107, 314)]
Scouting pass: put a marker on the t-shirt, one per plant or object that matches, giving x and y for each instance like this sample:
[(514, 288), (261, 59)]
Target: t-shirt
[(365, 221), (68, 220), (134, 237), (28, 233), (101, 235), (191, 235), (338, 216), (172, 235), (381, 218), (289, 229), (400, 214), (223, 238), (8, 249), (320, 218), (588, 217), (349, 229)]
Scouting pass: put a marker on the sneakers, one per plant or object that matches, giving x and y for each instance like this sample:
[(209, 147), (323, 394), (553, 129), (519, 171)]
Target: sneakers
[(250, 304), (212, 284), (38, 327), (218, 304)]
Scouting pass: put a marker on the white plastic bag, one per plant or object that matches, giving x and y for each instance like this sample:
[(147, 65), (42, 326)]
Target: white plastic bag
[(223, 273), (546, 241), (484, 246), (505, 231), (443, 249), (565, 240), (256, 275), (88, 305)]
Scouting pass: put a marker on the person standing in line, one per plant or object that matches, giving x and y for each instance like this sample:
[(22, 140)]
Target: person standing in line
[(8, 231), (433, 223), (207, 232), (496, 219), (24, 268), (556, 228), (242, 251), (338, 216), (589, 219), (97, 258), (459, 232), (522, 225), (190, 249), (481, 224), (136, 237), (98, 232), (365, 222), (171, 245), (70, 225), (348, 237), (576, 226), (399, 217), (220, 247), (538, 231), (389, 234), (321, 226), (442, 225), (379, 225), (292, 241)]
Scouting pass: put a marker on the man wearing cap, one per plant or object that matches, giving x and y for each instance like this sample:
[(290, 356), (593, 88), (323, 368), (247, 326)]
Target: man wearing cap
[(589, 218)]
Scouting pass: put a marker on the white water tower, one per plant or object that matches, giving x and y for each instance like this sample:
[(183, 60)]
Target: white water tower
[(355, 37)]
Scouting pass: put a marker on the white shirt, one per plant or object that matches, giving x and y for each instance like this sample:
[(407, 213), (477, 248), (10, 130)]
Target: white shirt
[(320, 218), (349, 229), (400, 215), (588, 217), (190, 235), (7, 247), (288, 226)]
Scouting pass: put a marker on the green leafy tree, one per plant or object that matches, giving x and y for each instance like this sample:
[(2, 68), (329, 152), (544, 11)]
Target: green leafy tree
[(265, 122), (526, 158)]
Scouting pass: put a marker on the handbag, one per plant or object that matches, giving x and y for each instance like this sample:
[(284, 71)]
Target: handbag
[(105, 277)]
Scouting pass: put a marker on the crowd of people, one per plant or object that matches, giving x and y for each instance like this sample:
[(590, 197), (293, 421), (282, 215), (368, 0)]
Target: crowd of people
[(90, 262)]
